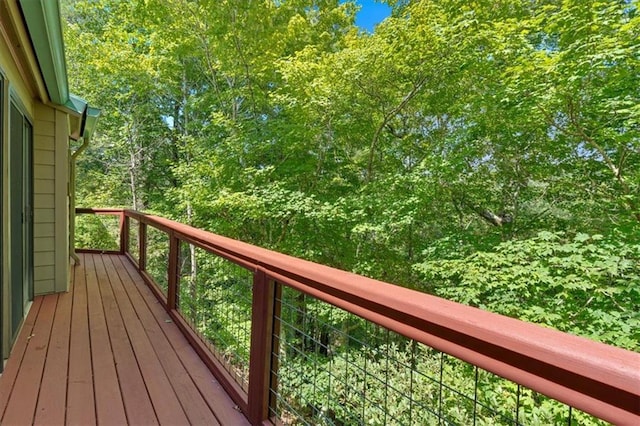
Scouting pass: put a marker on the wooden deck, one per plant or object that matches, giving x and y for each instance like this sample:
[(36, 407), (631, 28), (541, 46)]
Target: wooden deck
[(107, 353)]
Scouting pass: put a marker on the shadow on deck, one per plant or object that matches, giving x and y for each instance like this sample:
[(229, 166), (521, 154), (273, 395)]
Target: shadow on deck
[(107, 353)]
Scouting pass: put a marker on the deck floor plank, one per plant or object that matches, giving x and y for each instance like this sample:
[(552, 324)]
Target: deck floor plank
[(24, 397), (163, 397), (213, 393), (11, 370), (109, 405), (105, 353), (187, 392), (137, 402), (80, 396), (51, 409)]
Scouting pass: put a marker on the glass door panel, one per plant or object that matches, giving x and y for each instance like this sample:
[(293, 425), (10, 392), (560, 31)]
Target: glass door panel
[(21, 215)]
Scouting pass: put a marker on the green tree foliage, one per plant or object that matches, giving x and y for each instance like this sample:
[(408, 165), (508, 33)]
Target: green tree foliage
[(429, 153), (585, 285), (98, 232), (486, 151)]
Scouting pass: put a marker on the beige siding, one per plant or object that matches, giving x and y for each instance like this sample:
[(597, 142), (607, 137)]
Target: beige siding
[(50, 200), (43, 170), (43, 230), (42, 280), (44, 215), (46, 129), (45, 113), (41, 272), (44, 244), (44, 258), (44, 201), (44, 186), (43, 143), (42, 157)]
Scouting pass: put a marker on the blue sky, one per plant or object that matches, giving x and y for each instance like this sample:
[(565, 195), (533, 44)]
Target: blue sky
[(371, 13)]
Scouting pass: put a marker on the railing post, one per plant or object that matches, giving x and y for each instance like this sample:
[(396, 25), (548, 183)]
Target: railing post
[(262, 328), (124, 233), (172, 278), (142, 245)]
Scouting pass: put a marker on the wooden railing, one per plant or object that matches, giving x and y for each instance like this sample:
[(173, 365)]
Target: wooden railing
[(598, 379)]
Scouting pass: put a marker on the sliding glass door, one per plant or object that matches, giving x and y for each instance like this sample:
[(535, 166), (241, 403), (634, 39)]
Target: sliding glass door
[(21, 215)]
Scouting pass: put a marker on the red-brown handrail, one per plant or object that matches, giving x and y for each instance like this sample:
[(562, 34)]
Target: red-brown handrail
[(596, 378)]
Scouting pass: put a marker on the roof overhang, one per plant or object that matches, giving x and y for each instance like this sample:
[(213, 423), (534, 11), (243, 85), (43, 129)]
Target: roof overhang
[(43, 23)]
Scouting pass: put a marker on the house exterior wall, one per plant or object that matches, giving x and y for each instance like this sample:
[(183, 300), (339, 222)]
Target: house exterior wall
[(23, 85), (13, 85), (51, 170)]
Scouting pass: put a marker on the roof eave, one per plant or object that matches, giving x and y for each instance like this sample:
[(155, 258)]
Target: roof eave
[(43, 23)]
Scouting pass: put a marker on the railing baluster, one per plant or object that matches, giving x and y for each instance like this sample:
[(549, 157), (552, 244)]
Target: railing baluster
[(262, 327), (172, 278), (142, 245), (275, 345)]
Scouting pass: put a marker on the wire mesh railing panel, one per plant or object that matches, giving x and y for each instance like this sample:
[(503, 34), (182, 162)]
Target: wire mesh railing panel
[(214, 297), (333, 368), (97, 232), (158, 257), (133, 246)]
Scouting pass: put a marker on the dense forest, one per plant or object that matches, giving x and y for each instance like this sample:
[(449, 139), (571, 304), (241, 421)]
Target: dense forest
[(487, 152)]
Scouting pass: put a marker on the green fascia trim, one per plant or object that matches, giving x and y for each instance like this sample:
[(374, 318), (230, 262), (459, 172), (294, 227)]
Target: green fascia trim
[(43, 23), (76, 104)]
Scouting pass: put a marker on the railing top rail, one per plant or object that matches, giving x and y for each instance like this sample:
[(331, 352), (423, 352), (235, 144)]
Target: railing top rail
[(597, 378), (91, 210)]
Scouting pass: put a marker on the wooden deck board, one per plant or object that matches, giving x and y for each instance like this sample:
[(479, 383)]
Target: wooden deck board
[(109, 405), (194, 406), (80, 396), (190, 398), (11, 370), (24, 396), (51, 409), (105, 353), (213, 393), (165, 402), (137, 402)]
